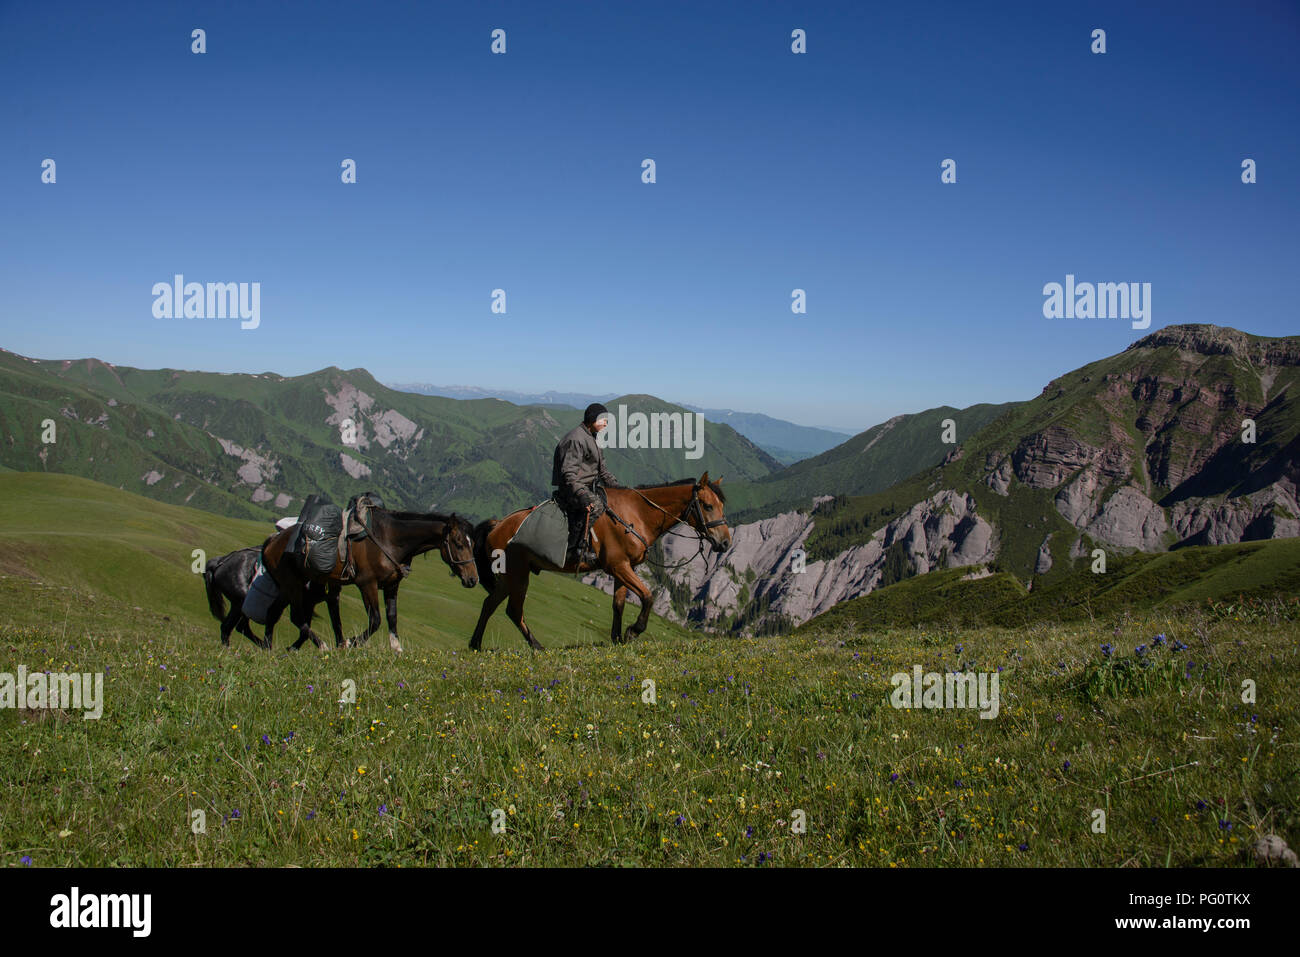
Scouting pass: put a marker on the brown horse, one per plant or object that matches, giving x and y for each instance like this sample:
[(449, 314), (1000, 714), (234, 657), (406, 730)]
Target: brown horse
[(651, 510), (378, 562)]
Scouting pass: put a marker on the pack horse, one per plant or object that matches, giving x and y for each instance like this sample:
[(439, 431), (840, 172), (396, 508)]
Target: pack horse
[(368, 546)]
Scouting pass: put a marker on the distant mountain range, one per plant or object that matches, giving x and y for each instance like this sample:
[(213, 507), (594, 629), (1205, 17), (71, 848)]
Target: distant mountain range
[(869, 462), (254, 446), (1189, 437), (784, 441)]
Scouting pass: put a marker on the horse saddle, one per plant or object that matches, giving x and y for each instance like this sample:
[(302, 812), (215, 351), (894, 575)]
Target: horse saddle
[(545, 532), (356, 523), (356, 526)]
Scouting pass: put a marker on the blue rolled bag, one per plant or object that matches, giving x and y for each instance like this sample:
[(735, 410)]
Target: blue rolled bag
[(261, 595)]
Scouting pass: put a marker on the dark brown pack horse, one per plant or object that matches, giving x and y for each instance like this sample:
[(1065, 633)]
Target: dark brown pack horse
[(651, 510), (229, 577), (377, 563)]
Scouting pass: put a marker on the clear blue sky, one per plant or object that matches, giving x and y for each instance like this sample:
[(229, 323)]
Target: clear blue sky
[(522, 171)]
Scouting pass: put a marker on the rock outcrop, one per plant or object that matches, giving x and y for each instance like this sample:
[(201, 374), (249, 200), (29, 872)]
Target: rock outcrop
[(767, 563)]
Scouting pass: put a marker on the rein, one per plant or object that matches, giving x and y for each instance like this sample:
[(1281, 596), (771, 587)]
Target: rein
[(692, 505), (405, 570)]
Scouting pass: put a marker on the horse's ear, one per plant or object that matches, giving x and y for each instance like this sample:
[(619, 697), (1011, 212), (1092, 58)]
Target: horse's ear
[(704, 479), (718, 480)]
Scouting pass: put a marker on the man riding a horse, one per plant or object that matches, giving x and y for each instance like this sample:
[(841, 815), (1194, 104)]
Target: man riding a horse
[(578, 466)]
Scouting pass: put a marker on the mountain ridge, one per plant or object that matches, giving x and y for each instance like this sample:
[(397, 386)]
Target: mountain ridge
[(1146, 450)]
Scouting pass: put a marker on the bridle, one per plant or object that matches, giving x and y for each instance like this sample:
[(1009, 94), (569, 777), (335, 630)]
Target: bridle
[(694, 508), (445, 548)]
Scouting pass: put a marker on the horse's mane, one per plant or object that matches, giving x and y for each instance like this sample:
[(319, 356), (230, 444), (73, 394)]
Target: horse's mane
[(714, 487), (459, 521)]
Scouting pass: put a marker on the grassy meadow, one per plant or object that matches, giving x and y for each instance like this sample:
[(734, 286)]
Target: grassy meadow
[(745, 739)]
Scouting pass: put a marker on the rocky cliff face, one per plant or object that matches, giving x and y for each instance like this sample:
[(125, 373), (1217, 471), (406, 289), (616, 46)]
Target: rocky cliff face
[(766, 564), (1155, 451), (1149, 449)]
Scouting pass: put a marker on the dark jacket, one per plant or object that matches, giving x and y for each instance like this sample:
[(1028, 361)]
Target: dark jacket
[(579, 461)]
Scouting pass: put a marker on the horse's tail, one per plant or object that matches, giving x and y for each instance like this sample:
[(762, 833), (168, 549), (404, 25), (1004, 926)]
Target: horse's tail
[(216, 600), (483, 555)]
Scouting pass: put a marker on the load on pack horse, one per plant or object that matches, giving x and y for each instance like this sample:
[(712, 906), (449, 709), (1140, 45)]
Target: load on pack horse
[(367, 546), (610, 528), (229, 578)]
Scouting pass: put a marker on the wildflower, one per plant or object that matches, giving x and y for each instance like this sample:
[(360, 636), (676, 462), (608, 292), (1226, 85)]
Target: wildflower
[(1024, 847), (1107, 649), (1065, 766), (265, 739), (25, 861), (1158, 640), (383, 809)]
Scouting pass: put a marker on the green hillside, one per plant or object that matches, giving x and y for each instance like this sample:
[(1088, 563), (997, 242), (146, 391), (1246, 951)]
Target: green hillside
[(869, 462), (1137, 583), (1164, 417), (93, 548), (253, 446)]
